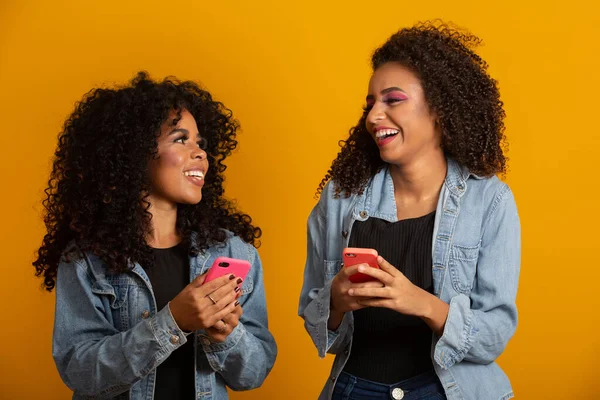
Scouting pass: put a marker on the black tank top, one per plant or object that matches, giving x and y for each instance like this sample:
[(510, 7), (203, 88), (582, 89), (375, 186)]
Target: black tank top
[(387, 346), (169, 275)]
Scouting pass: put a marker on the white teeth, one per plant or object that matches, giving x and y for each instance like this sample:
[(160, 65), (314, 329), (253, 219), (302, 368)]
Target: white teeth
[(194, 173), (385, 132)]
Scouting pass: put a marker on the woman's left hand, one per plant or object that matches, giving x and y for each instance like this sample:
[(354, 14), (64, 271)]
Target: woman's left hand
[(398, 293), (223, 328)]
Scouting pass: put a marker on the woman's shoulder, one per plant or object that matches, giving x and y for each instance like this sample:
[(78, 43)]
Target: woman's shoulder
[(85, 264), (235, 246), (488, 194), (487, 187)]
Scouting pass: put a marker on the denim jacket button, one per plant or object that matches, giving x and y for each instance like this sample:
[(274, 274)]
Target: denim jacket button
[(145, 314), (174, 339), (205, 341), (397, 394), (363, 214)]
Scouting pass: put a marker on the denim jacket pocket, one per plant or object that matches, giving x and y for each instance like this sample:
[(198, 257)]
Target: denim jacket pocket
[(463, 265), (247, 285), (116, 298), (332, 267)]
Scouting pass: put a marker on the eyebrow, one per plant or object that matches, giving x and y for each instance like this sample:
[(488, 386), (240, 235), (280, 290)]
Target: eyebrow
[(179, 130), (385, 91)]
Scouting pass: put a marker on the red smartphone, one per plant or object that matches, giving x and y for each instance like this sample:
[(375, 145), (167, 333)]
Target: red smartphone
[(354, 255), (225, 266)]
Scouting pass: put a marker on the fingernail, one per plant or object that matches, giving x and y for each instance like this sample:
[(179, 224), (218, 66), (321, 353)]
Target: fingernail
[(239, 280), (350, 292), (237, 289), (231, 277), (361, 268), (237, 303)]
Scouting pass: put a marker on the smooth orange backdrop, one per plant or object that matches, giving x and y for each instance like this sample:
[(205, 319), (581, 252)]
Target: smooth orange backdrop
[(295, 74)]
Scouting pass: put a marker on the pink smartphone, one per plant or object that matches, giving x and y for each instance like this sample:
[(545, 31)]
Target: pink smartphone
[(354, 255), (225, 266)]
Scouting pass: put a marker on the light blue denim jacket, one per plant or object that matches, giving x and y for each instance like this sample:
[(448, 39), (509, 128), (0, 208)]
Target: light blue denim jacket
[(109, 337), (476, 260)]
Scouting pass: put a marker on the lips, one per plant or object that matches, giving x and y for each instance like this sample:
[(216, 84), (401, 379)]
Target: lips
[(384, 135), (195, 176), (194, 172)]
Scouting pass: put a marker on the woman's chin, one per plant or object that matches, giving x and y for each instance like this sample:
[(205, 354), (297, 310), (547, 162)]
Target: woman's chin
[(190, 200)]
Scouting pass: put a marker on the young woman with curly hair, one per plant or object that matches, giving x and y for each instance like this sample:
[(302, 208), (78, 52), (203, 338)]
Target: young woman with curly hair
[(135, 216), (416, 181)]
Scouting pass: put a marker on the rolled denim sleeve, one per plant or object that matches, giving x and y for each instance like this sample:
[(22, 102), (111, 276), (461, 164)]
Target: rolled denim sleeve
[(247, 356), (480, 325), (316, 289), (92, 357)]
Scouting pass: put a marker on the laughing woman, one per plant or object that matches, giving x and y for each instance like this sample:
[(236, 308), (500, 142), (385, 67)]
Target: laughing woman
[(416, 181), (135, 215)]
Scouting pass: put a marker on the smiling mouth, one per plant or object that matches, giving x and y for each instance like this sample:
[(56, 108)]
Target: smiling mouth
[(382, 134), (195, 174)]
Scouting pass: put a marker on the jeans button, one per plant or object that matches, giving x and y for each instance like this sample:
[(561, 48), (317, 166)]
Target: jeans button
[(397, 394), (174, 339)]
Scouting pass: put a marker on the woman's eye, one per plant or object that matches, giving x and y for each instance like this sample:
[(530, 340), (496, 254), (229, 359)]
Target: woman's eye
[(203, 144), (393, 100), (181, 140)]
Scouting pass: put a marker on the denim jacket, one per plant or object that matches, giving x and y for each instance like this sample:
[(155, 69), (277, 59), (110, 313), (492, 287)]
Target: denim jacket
[(109, 337), (476, 262)]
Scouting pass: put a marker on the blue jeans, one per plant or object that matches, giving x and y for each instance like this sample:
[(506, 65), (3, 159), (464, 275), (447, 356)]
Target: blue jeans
[(426, 386)]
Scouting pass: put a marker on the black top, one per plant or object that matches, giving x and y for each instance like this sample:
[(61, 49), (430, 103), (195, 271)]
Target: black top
[(168, 276), (387, 346)]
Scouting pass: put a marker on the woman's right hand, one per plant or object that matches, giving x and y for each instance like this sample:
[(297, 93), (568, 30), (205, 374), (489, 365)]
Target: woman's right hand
[(341, 302), (193, 308)]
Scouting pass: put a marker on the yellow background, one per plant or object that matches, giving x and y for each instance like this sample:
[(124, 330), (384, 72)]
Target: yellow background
[(295, 74)]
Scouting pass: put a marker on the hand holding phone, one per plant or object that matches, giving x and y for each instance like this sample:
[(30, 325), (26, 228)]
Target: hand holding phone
[(354, 256), (341, 302)]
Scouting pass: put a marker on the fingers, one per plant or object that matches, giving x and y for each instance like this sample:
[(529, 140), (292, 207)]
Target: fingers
[(386, 266), (225, 294), (369, 302), (199, 280), (223, 327), (222, 314), (383, 276), (220, 326), (368, 292), (212, 285), (347, 271), (369, 284)]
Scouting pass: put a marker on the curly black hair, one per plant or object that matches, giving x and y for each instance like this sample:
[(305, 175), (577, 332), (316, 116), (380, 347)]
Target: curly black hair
[(97, 190), (457, 89)]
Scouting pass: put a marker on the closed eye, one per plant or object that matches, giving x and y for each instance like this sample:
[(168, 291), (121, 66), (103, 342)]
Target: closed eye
[(393, 100)]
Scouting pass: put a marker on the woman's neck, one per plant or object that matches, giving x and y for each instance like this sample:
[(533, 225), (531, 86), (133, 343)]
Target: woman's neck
[(417, 185), (163, 232)]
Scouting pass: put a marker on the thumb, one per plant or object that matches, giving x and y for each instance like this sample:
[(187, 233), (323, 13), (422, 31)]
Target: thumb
[(199, 280), (386, 266)]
